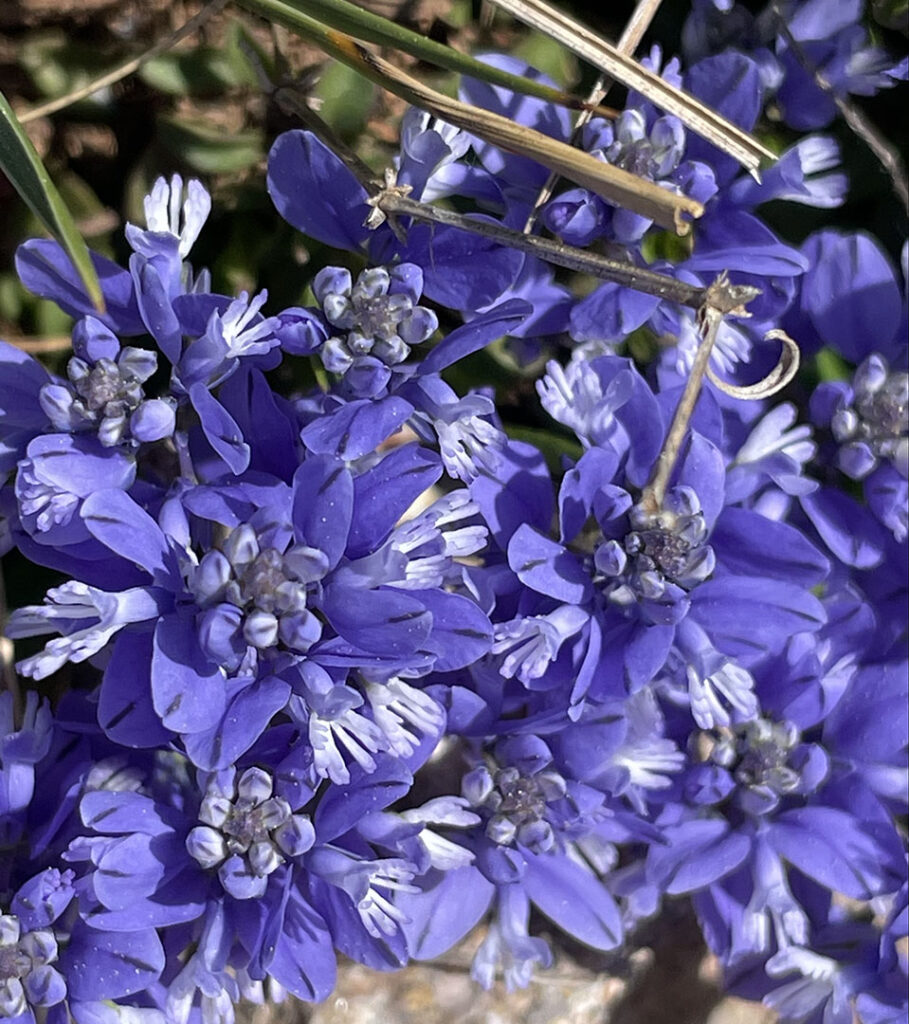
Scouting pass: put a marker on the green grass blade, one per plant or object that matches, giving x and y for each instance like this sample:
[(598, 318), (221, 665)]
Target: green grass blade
[(372, 28), (21, 164)]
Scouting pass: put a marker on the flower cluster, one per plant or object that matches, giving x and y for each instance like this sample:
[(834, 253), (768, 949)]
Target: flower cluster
[(363, 670)]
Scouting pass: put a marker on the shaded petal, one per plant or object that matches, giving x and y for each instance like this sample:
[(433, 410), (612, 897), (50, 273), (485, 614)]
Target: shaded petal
[(847, 528), (126, 712), (461, 632), (115, 812), (256, 410), (830, 846), (593, 471), (182, 898), (245, 719), (442, 915), (133, 868), (851, 295), (384, 620), (547, 567), (751, 615), (697, 853), (730, 84), (869, 724), (702, 469), (156, 307), (23, 378), (462, 270), (740, 241), (187, 689), (113, 518), (357, 428), (315, 192), (610, 313), (477, 334), (107, 965), (303, 960), (45, 269), (385, 492), (220, 428), (323, 505), (574, 899), (749, 544), (520, 492), (342, 807)]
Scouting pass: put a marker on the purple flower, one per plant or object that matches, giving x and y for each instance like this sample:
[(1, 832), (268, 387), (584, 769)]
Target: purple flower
[(666, 590), (531, 831), (302, 574)]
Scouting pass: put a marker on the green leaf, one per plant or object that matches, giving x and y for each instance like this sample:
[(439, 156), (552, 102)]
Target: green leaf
[(307, 16), (831, 365), (21, 164), (549, 56), (203, 71), (345, 100), (57, 63), (50, 320), (12, 297), (891, 13), (208, 150)]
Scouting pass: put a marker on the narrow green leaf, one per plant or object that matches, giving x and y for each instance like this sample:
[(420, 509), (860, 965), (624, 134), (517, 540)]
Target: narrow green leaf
[(21, 164), (372, 28)]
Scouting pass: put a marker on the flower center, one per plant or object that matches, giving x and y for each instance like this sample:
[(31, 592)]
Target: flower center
[(661, 558), (261, 578), (521, 797), (875, 425), (758, 756), (377, 320), (379, 316), (269, 590), (104, 384), (517, 806), (20, 956), (13, 963), (248, 822), (663, 550), (247, 833), (884, 413)]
